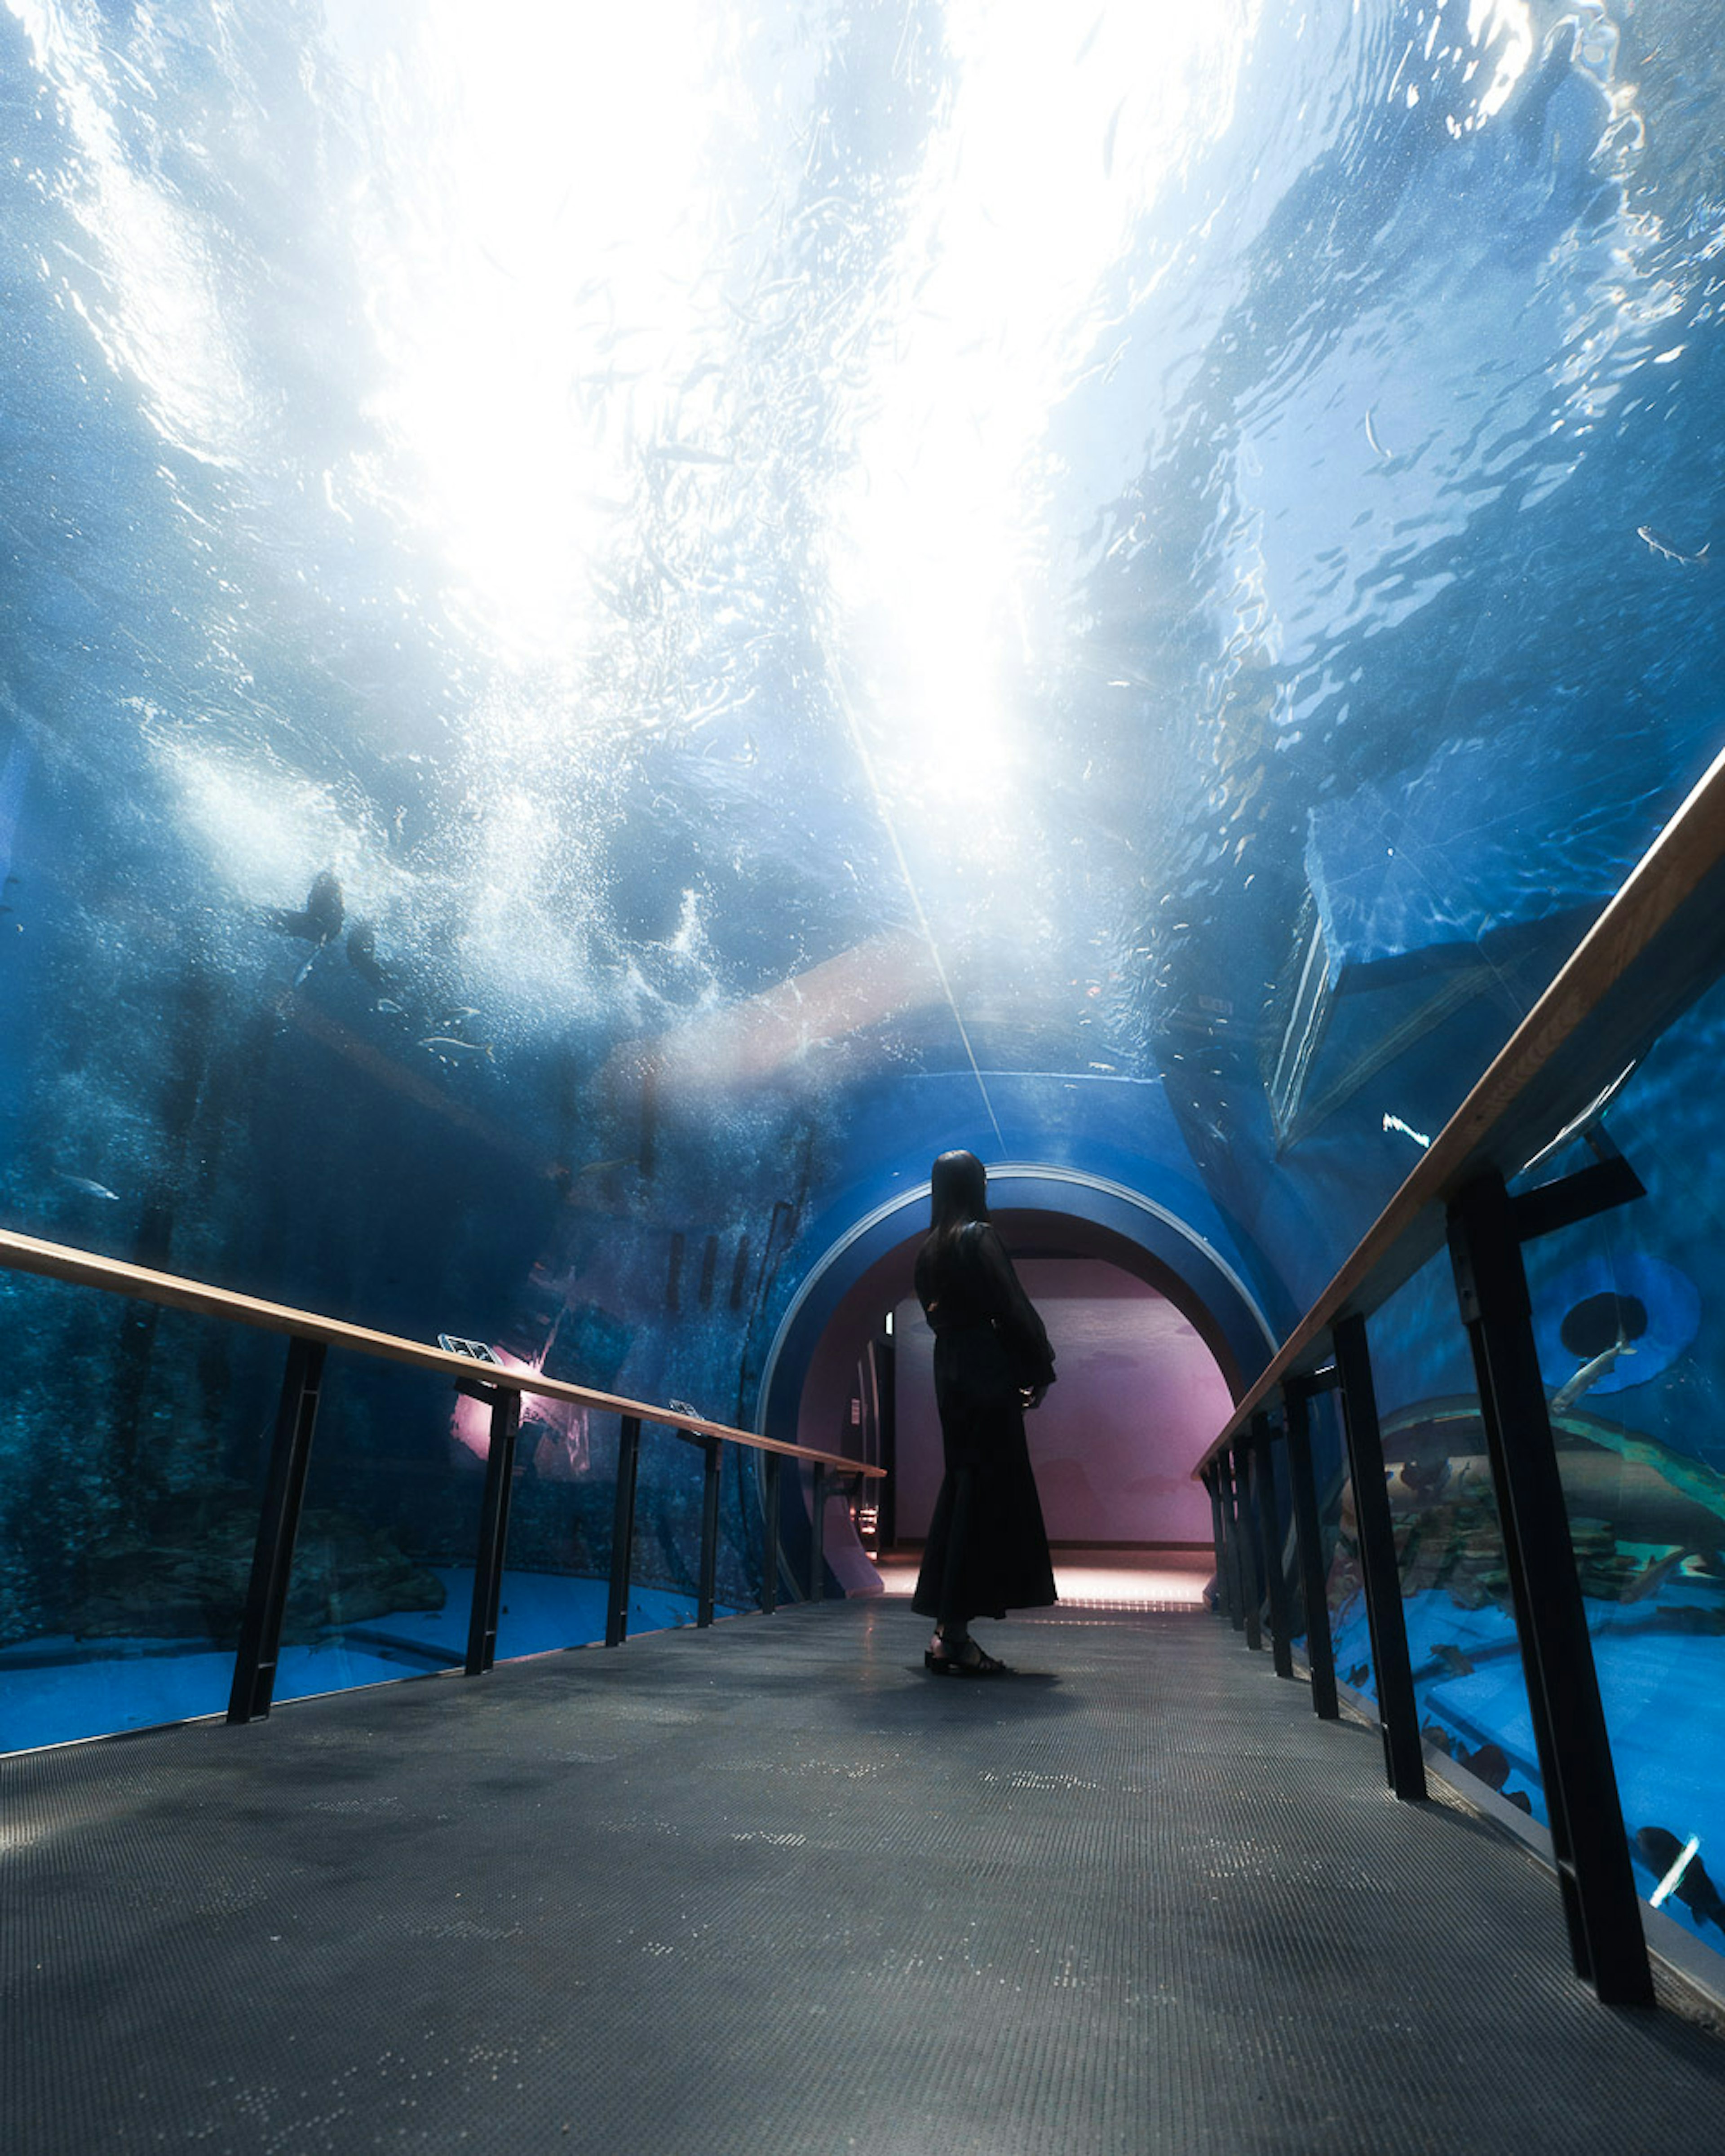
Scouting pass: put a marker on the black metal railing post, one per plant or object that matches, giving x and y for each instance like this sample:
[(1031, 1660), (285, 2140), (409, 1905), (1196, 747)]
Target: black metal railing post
[(254, 1661), (623, 1531), (1589, 1842), (1398, 1709), (709, 1529), (1219, 1539), (506, 1405), (817, 1534), (769, 1535), (1230, 1541), (1271, 1544), (1252, 1581), (1308, 1530)]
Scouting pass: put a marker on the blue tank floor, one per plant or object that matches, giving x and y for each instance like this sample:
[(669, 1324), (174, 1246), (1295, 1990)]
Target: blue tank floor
[(770, 1888)]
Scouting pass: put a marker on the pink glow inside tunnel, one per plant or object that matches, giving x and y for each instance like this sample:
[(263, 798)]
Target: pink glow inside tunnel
[(553, 1443)]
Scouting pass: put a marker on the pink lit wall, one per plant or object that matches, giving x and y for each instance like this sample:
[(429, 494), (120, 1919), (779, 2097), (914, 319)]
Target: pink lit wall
[(1138, 1398)]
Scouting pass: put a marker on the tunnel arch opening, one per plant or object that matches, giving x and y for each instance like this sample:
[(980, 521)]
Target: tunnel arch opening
[(818, 1374)]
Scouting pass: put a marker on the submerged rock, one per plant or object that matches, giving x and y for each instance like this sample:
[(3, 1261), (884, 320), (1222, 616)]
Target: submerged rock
[(186, 1574)]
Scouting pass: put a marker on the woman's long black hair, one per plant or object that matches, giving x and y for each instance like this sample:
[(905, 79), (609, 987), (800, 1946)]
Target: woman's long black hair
[(958, 1193)]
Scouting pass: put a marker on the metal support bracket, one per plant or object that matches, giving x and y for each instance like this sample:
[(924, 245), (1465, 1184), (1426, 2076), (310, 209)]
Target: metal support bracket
[(1308, 1530), (769, 1535), (709, 1530), (506, 1406), (1398, 1709), (1219, 1539), (254, 1661), (1271, 1544), (1589, 1842), (1608, 1182), (817, 1533), (623, 1531)]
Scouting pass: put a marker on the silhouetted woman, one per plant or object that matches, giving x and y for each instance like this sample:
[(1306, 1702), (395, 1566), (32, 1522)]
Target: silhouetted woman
[(986, 1550)]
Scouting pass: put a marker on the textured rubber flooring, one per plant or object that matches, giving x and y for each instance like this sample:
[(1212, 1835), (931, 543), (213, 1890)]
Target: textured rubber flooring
[(772, 1888)]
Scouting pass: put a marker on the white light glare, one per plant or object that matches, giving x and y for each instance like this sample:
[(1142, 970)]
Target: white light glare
[(1675, 1873), (1056, 147)]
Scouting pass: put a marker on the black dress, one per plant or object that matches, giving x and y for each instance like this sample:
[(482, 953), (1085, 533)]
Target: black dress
[(987, 1549)]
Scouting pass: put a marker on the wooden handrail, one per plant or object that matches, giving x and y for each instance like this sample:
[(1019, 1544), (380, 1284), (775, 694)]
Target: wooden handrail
[(61, 1261), (1658, 944)]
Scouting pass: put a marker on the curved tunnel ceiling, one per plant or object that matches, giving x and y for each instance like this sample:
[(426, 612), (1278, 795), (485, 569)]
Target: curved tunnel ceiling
[(1074, 1215), (624, 626)]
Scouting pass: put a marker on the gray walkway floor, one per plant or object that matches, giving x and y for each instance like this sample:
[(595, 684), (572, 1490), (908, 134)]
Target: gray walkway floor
[(772, 1889)]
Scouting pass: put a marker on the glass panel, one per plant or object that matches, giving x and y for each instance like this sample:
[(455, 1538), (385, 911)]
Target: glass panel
[(1350, 1634), (1462, 1642), (382, 1577), (557, 1585), (134, 1442), (1633, 1358)]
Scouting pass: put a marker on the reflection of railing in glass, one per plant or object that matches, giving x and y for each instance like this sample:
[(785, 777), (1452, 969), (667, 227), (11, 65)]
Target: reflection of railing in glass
[(1519, 1562), (498, 1388)]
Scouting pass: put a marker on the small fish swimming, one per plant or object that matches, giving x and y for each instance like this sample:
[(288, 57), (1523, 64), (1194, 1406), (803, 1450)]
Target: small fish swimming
[(446, 1044), (1453, 1659), (1372, 437), (88, 1186), (1490, 1764), (1695, 1889), (464, 1010), (388, 1003), (1666, 551)]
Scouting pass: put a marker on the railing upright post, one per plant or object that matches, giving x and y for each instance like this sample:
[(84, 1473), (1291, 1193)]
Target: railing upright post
[(623, 1530), (769, 1536), (1245, 1544), (1230, 1541), (1314, 1596), (817, 1534), (1574, 1746), (1210, 1483), (259, 1647), (494, 1525), (709, 1530), (1398, 1709), (1271, 1540)]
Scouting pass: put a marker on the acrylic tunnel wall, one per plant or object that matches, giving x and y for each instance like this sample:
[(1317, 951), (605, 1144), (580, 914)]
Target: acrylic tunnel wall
[(618, 627)]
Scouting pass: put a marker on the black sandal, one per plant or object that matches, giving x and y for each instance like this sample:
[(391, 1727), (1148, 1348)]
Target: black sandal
[(971, 1661)]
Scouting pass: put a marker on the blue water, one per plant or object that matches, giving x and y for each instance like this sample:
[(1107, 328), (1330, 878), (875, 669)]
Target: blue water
[(141, 1683), (614, 630)]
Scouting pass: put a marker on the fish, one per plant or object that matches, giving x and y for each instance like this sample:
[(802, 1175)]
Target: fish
[(362, 953), (442, 1044), (460, 1011), (1453, 1659), (1490, 1764), (321, 918), (1568, 1393), (88, 1186), (1695, 1889), (388, 1003), (1666, 551), (1654, 1577), (1372, 437)]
